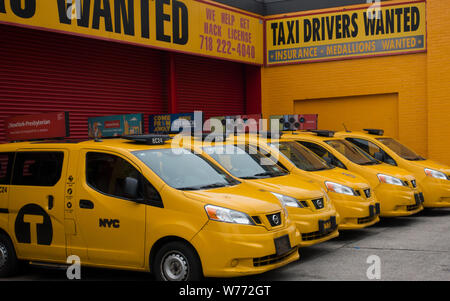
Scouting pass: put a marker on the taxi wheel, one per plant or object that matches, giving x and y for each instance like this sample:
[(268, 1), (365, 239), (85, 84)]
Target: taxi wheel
[(8, 259), (177, 261)]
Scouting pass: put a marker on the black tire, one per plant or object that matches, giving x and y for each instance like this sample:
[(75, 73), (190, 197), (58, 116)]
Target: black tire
[(177, 261), (8, 259)]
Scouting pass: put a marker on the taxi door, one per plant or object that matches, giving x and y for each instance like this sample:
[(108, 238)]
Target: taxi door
[(36, 207), (111, 224)]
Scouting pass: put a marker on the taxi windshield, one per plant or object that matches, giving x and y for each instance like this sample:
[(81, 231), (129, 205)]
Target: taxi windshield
[(351, 152), (244, 162), (300, 156), (400, 149), (184, 170)]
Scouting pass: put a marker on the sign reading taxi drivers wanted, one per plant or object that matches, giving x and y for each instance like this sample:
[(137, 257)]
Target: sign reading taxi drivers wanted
[(371, 30), (191, 26)]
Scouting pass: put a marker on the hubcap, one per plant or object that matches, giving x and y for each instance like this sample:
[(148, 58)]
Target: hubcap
[(3, 255), (174, 267)]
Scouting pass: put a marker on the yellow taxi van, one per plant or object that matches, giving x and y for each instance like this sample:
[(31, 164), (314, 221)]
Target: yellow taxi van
[(395, 188), (432, 177), (307, 203), (350, 193), (136, 204)]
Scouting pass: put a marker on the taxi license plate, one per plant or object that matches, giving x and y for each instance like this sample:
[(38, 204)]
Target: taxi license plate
[(282, 245)]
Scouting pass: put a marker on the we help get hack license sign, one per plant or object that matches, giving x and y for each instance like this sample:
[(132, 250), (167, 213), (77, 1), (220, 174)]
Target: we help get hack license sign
[(369, 30), (191, 26)]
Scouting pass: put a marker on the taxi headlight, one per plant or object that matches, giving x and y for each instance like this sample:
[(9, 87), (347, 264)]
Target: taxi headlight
[(338, 188), (287, 200), (390, 180), (435, 174), (226, 215)]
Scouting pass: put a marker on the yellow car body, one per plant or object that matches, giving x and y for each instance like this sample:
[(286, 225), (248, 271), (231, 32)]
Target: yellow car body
[(59, 204), (357, 207), (315, 224), (401, 199), (432, 177)]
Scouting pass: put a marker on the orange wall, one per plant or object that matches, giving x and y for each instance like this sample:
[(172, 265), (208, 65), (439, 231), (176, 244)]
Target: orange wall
[(421, 83)]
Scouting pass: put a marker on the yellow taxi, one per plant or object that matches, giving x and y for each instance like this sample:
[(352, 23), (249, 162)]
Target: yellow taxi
[(350, 193), (136, 204), (307, 203), (432, 177), (395, 188)]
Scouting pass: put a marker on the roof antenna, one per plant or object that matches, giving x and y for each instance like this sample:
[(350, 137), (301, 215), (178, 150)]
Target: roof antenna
[(346, 128)]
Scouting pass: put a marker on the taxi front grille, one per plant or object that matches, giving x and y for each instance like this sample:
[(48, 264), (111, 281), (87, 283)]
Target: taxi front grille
[(272, 259), (318, 234)]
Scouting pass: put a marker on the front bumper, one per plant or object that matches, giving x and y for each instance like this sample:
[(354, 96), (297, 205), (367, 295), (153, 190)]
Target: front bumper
[(357, 214), (229, 250), (398, 201), (436, 192), (316, 227)]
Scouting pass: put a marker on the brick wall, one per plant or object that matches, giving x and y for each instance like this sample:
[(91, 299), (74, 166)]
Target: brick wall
[(422, 82)]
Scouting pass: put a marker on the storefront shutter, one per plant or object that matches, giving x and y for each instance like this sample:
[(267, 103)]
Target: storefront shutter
[(215, 87), (49, 72)]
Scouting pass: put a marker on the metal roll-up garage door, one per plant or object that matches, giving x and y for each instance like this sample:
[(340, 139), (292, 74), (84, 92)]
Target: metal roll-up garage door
[(49, 72), (213, 86)]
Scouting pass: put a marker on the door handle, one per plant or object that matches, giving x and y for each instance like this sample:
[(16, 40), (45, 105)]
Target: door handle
[(50, 202), (86, 204)]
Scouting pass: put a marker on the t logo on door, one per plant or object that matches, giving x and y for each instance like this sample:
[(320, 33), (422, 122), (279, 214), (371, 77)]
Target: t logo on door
[(33, 225)]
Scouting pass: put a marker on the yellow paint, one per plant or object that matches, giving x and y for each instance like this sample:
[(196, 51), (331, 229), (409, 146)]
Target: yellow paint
[(303, 189), (188, 26), (394, 199), (349, 207), (139, 227), (436, 191)]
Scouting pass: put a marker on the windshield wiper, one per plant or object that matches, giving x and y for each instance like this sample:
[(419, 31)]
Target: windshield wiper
[(369, 163), (270, 174), (200, 187)]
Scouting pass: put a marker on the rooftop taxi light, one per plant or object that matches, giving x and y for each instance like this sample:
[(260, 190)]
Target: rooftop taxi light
[(323, 133), (377, 132)]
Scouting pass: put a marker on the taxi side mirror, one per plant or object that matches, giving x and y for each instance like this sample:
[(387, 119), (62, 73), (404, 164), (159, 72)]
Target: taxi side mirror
[(131, 188)]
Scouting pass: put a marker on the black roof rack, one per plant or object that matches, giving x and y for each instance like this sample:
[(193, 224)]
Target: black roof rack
[(271, 135), (149, 139), (323, 133), (378, 132)]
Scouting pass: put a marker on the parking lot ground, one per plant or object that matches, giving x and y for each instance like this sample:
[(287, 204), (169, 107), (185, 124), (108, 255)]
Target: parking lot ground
[(415, 248)]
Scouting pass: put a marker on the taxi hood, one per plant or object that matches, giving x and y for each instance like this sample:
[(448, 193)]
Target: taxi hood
[(242, 197), (390, 170), (342, 176), (290, 185), (432, 165)]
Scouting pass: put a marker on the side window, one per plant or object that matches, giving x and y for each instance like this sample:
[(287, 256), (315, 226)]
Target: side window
[(373, 150), (323, 153), (111, 175), (37, 168), (6, 160)]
